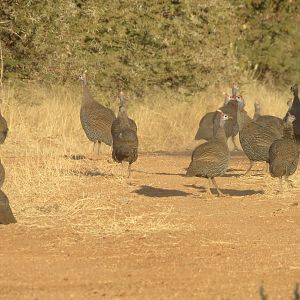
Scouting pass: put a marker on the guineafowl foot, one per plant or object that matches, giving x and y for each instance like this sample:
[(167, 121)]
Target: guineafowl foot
[(289, 183), (249, 169), (235, 147), (220, 194)]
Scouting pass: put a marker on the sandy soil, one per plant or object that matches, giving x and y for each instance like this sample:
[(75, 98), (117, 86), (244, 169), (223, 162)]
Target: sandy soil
[(166, 239)]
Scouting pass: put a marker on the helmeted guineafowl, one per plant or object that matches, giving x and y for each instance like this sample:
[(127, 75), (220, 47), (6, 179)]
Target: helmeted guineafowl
[(211, 159), (124, 134), (267, 120), (256, 138), (6, 215), (96, 119), (116, 128), (205, 130), (295, 110), (3, 129), (284, 153)]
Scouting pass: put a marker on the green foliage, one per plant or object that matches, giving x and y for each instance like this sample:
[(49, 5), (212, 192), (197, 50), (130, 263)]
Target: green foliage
[(134, 44), (269, 39)]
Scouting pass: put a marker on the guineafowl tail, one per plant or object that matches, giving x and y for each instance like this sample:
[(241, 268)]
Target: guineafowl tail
[(191, 170), (199, 135), (10, 218), (6, 215)]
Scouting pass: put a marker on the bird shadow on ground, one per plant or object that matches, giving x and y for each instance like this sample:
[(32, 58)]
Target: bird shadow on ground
[(160, 173), (231, 175), (228, 192), (75, 156), (83, 157), (243, 175), (89, 173), (235, 170), (150, 191)]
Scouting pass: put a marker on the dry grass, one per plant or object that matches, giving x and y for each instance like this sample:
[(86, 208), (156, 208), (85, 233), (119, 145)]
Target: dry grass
[(46, 189), (46, 120)]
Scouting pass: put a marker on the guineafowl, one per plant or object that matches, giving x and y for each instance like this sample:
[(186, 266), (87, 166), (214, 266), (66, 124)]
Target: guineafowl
[(256, 138), (116, 128), (3, 129), (125, 140), (234, 92), (284, 154), (96, 119), (295, 110), (6, 215), (267, 120), (211, 159), (205, 130), (231, 126)]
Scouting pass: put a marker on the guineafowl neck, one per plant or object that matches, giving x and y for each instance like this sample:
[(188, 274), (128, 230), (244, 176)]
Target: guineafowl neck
[(256, 116), (86, 95), (288, 131), (219, 135), (124, 121), (242, 119)]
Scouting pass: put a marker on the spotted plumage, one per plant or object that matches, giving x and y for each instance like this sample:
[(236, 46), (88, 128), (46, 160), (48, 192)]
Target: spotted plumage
[(284, 154), (96, 119), (211, 159)]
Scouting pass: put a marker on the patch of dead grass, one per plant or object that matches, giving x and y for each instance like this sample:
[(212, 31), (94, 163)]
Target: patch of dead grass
[(88, 195)]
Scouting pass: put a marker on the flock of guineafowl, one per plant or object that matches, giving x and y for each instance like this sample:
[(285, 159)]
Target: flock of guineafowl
[(263, 138)]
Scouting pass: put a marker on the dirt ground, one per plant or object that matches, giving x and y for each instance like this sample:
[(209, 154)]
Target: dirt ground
[(165, 238)]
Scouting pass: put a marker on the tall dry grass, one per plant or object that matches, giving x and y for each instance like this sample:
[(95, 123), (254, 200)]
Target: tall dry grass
[(45, 120), (46, 189)]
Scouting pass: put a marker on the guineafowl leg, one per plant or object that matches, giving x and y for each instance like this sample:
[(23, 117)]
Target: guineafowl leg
[(280, 185), (289, 182), (94, 143), (216, 186), (267, 168), (99, 147), (129, 170), (235, 147), (250, 167), (209, 185)]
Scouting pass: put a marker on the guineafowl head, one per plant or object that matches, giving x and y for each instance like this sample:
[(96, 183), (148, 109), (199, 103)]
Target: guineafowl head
[(289, 103), (241, 102), (294, 90), (82, 77), (290, 118), (235, 89), (122, 99), (227, 98), (221, 118)]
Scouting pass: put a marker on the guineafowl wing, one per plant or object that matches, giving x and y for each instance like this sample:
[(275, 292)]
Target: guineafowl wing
[(206, 124), (209, 160), (283, 157), (256, 140), (97, 121)]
